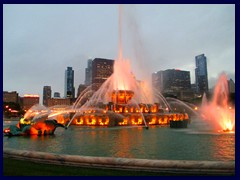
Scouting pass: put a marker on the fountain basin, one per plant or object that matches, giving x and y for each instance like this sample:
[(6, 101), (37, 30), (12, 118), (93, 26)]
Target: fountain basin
[(173, 166)]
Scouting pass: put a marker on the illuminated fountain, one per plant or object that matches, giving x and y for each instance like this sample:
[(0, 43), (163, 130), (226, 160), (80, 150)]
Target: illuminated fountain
[(35, 122), (122, 100), (218, 113)]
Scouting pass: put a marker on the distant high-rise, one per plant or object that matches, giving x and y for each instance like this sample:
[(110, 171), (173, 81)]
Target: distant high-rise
[(69, 90), (101, 70), (10, 96), (88, 73), (201, 74), (47, 93), (81, 88), (157, 81), (56, 95), (231, 86), (173, 82)]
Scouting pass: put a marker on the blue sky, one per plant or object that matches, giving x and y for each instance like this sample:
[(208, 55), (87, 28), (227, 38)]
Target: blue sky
[(40, 41)]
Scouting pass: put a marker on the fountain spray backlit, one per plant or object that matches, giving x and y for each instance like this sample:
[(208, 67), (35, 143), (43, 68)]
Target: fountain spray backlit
[(219, 114)]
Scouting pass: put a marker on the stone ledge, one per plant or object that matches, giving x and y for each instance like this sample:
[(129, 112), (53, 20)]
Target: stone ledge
[(173, 166)]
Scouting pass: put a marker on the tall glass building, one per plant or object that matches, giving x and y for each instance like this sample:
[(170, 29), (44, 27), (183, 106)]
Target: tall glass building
[(201, 74), (171, 80), (69, 90), (47, 94), (88, 73)]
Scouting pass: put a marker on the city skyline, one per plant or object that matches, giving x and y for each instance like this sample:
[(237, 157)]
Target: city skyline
[(41, 41)]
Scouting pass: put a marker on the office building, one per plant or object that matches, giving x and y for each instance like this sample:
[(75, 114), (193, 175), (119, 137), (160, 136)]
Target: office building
[(201, 74), (231, 86), (69, 90), (56, 95), (173, 82), (81, 88), (102, 69), (10, 96), (88, 73), (47, 93), (58, 101), (29, 100)]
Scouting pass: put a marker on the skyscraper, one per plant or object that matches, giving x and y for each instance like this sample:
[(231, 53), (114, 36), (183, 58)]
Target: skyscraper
[(201, 74), (171, 80), (47, 93), (157, 81), (56, 95), (88, 73), (81, 88), (231, 86), (69, 90), (101, 70)]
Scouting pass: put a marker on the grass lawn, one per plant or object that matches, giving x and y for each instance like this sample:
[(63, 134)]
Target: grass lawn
[(13, 167)]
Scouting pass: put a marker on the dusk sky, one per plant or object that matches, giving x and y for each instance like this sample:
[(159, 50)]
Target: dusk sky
[(41, 41)]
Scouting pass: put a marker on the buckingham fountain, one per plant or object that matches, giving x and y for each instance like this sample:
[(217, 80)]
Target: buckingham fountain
[(120, 101), (119, 112), (124, 101)]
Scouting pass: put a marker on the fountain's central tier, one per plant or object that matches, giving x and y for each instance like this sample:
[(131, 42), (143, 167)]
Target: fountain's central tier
[(122, 96)]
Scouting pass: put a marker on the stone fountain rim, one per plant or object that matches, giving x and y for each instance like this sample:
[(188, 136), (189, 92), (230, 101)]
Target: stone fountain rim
[(173, 166)]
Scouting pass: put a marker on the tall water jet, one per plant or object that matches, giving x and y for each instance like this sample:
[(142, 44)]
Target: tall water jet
[(119, 31), (204, 100), (121, 98), (218, 113)]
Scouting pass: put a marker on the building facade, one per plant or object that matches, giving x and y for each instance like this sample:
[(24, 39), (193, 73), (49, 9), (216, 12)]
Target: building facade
[(56, 95), (176, 80), (81, 88), (173, 82), (157, 81), (69, 90), (201, 74), (102, 69), (58, 101), (47, 93), (29, 100), (10, 96), (231, 86), (88, 73)]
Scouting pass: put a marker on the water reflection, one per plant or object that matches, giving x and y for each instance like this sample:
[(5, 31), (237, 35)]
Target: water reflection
[(128, 144), (132, 142), (223, 147)]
